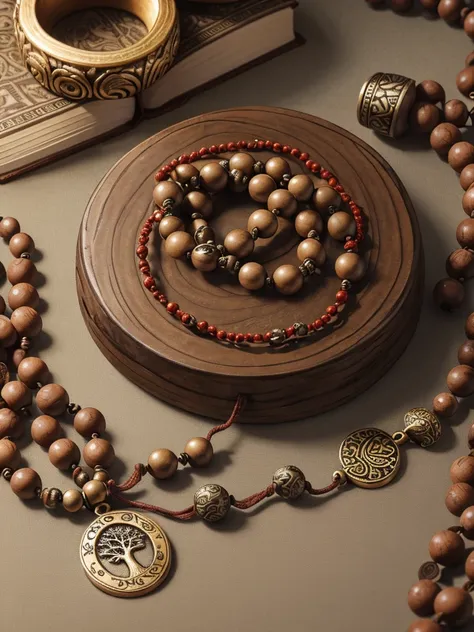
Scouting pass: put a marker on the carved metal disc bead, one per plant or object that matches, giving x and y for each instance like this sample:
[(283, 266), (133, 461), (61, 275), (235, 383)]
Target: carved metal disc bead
[(212, 502), (289, 482), (301, 329), (278, 337), (422, 426)]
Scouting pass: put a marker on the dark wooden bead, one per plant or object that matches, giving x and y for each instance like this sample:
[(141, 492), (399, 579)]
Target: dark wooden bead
[(421, 597), (468, 25), (447, 548), (456, 112), (465, 81), (9, 226), (448, 294), (469, 565), (468, 202), (460, 155), (467, 522), (466, 177), (455, 604), (443, 137), (469, 326), (425, 625), (26, 483), (460, 380), (465, 233), (424, 117), (429, 5), (462, 470), (460, 496), (466, 353), (469, 61), (460, 264), (450, 10), (445, 405), (430, 91)]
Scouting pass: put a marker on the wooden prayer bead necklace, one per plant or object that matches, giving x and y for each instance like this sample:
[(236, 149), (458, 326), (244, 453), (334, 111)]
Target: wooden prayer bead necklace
[(177, 187)]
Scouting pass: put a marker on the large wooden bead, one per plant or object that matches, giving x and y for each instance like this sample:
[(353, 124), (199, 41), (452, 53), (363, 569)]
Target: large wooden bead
[(252, 276), (8, 334), (99, 452), (424, 117), (282, 201), (20, 243), (443, 137), (341, 225), (460, 264), (198, 202), (167, 190), (184, 174), (460, 380), (425, 625), (466, 177), (288, 279), (52, 399), (311, 249), (89, 421), (64, 453), (242, 162), (456, 112), (448, 294), (462, 470), (260, 187), (445, 405), (469, 326), (23, 295), (162, 463), (467, 522), (26, 321), (465, 233), (350, 266), (430, 91), (95, 492), (308, 220), (179, 244), (239, 242), (460, 155), (450, 10), (214, 177), (21, 271), (170, 224), (73, 500), (264, 221), (33, 370), (199, 451), (460, 496), (469, 566), (45, 430), (16, 395), (9, 226), (11, 425), (468, 202), (301, 187), (9, 455), (326, 197), (205, 257), (466, 353), (26, 483), (421, 597), (446, 548), (277, 167), (465, 81), (455, 604)]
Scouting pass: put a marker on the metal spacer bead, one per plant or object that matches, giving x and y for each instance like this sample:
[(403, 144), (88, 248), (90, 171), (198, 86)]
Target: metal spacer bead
[(221, 249), (168, 204), (224, 164), (73, 409), (278, 337), (269, 282), (308, 267), (313, 234), (301, 329), (254, 234), (183, 458), (285, 179), (81, 478), (25, 255), (341, 477), (346, 285), (259, 167), (332, 210), (194, 183), (192, 322), (95, 435), (25, 343), (7, 473), (197, 216)]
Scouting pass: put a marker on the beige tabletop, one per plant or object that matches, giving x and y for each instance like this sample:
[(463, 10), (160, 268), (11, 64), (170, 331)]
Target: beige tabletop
[(337, 564)]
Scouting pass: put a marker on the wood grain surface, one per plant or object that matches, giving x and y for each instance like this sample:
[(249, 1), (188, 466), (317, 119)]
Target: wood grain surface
[(202, 375)]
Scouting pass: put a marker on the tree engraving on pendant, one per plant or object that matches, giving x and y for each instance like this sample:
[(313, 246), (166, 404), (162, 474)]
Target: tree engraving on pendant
[(118, 544)]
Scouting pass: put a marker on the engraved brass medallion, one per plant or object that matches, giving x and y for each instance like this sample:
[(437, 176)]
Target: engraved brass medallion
[(125, 554), (370, 458)]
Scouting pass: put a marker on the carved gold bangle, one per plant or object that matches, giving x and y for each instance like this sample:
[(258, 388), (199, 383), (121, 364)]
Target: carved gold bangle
[(80, 74)]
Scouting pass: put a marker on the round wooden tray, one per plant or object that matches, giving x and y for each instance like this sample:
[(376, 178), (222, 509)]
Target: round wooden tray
[(202, 375)]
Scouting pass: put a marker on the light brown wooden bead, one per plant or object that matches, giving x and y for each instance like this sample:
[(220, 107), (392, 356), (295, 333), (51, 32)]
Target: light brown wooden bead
[(99, 452), (277, 167), (205, 257), (462, 470), (252, 276), (26, 321), (264, 221), (9, 455), (469, 566), (184, 173), (430, 91), (421, 597), (283, 201), (23, 295), (350, 266), (11, 424), (45, 430), (95, 492), (460, 380), (16, 395), (9, 226), (18, 356), (460, 155), (445, 405), (170, 224), (460, 264), (465, 233), (162, 463), (311, 249), (301, 187), (89, 421), (63, 453), (214, 177), (73, 500), (167, 190), (324, 197), (198, 202), (424, 117), (239, 242), (261, 186), (199, 451), (242, 162), (26, 483), (460, 496), (8, 334), (455, 604), (425, 625), (33, 370), (52, 399), (456, 112), (468, 202), (446, 548), (341, 225), (307, 221), (466, 353), (465, 81), (467, 522), (443, 137), (179, 244), (450, 10), (448, 294), (21, 271), (20, 243), (288, 279), (466, 178)]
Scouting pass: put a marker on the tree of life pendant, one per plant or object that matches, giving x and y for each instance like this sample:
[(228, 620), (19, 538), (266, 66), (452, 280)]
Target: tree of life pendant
[(125, 554)]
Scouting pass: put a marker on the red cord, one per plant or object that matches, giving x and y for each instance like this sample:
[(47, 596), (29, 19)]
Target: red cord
[(239, 404), (250, 501)]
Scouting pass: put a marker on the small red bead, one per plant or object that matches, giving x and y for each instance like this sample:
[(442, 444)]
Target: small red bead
[(149, 282), (142, 252), (290, 331), (257, 338), (143, 263), (231, 336), (316, 167), (318, 324), (251, 145), (350, 245), (326, 318), (248, 337), (267, 336), (295, 152), (345, 197), (214, 149), (304, 156), (310, 327), (331, 310), (212, 330), (221, 334), (174, 163), (156, 295), (145, 271), (277, 147), (261, 144), (268, 144), (204, 151), (286, 149), (239, 338), (231, 147), (163, 300), (185, 318), (172, 308), (222, 148), (342, 296), (193, 156), (242, 144), (202, 326), (143, 240), (325, 174), (183, 159), (332, 182), (179, 313), (160, 176), (168, 168), (309, 164)]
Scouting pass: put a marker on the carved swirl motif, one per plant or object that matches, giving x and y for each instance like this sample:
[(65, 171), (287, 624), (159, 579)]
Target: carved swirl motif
[(429, 570), (212, 502), (369, 457), (422, 426), (289, 482), (78, 84), (380, 100)]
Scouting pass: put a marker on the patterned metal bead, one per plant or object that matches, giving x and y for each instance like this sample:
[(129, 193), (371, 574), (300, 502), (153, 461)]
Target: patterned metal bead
[(194, 183), (229, 263), (203, 235), (224, 164), (259, 167), (289, 482), (7, 473), (308, 267), (212, 502), (429, 570), (51, 497), (278, 337), (346, 285), (422, 426), (238, 181), (285, 179), (301, 329)]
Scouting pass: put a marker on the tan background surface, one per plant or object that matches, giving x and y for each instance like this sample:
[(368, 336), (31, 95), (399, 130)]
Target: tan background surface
[(335, 565)]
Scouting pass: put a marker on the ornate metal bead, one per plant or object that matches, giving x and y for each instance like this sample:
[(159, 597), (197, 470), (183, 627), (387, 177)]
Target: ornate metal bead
[(192, 322), (346, 285), (238, 181), (314, 235), (25, 255), (51, 497), (194, 183), (278, 337), (254, 233), (183, 458), (289, 482), (7, 473), (203, 235), (230, 263), (301, 329), (81, 478), (259, 167), (308, 267), (285, 179), (224, 164), (422, 426), (332, 209), (168, 203), (212, 502)]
